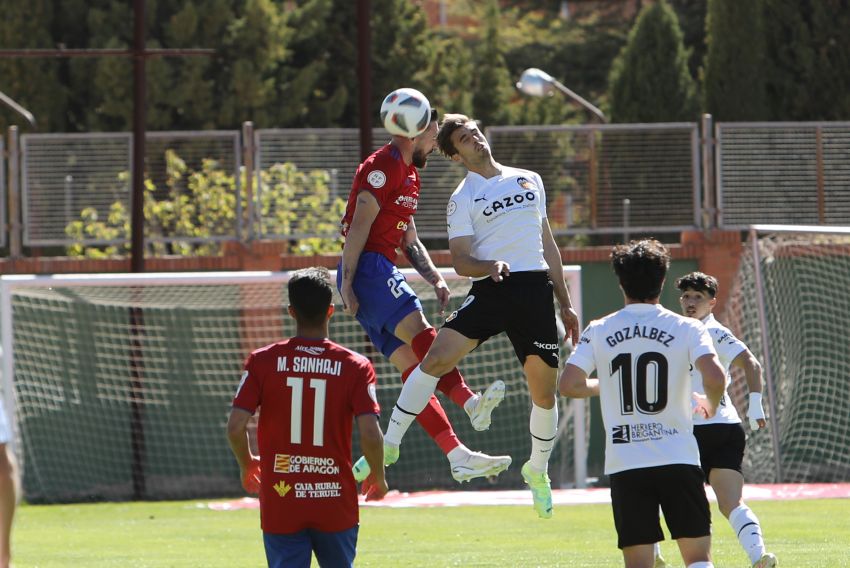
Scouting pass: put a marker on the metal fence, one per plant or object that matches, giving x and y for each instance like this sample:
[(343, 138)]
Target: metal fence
[(71, 177), (600, 179), (783, 173), (336, 152), (607, 178)]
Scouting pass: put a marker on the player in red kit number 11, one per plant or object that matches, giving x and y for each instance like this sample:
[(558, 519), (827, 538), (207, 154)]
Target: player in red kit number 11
[(311, 390)]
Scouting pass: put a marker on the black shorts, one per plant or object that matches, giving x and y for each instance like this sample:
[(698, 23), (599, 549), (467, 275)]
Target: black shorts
[(522, 305), (636, 495), (721, 446)]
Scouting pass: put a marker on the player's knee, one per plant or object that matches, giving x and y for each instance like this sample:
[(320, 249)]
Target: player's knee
[(438, 362)]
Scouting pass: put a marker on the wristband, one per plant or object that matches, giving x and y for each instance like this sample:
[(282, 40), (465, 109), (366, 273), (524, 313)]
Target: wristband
[(755, 411)]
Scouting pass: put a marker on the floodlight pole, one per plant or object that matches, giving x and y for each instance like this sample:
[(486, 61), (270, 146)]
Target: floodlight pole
[(536, 82)]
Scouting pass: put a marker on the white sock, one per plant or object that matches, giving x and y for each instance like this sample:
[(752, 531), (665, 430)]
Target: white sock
[(543, 426), (470, 404), (415, 393), (458, 454), (701, 565), (747, 527)]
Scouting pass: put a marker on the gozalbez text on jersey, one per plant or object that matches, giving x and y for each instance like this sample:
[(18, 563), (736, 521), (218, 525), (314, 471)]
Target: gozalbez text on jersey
[(639, 331)]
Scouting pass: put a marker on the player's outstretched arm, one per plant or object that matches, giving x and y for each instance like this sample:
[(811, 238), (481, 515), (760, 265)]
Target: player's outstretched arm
[(237, 435), (575, 384), (372, 444), (552, 255), (361, 223), (713, 381), (753, 373), (418, 257)]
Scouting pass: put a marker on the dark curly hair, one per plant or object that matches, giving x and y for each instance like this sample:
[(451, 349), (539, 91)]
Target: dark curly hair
[(699, 281), (641, 267)]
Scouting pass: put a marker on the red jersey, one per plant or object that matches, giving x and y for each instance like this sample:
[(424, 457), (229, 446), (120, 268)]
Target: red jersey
[(310, 390), (396, 187)]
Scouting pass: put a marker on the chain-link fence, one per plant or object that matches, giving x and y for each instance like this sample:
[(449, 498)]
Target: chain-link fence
[(607, 178)]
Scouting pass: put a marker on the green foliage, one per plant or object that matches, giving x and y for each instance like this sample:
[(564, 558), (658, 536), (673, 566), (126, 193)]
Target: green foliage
[(309, 208), (196, 205), (33, 83), (734, 79), (808, 53), (492, 85), (649, 80)]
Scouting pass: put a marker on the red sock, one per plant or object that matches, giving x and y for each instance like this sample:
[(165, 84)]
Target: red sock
[(451, 384), (434, 421)]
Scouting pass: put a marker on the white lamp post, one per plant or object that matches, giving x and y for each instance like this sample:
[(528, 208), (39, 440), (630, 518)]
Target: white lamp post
[(539, 83)]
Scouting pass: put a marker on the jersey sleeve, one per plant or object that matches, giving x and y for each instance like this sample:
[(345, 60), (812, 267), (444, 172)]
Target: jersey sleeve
[(582, 356), (247, 395), (542, 204), (727, 346), (365, 397), (458, 214), (380, 178), (699, 342)]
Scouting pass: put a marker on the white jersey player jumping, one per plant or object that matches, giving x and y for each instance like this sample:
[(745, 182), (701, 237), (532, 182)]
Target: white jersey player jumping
[(499, 235), (642, 355), (721, 439)]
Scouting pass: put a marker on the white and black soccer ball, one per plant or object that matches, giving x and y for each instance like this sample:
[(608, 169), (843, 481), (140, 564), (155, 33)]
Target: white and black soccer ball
[(406, 112)]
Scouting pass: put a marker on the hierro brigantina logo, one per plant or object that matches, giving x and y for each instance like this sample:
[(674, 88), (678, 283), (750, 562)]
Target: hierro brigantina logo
[(621, 434)]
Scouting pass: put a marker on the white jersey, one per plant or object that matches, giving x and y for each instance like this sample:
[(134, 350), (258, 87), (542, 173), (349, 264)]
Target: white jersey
[(642, 355), (728, 347), (503, 215)]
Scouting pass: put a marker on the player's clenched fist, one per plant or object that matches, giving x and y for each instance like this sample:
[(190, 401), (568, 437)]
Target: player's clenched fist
[(251, 477), (374, 491)]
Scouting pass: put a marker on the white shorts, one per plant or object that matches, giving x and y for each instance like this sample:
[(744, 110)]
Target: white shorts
[(5, 430)]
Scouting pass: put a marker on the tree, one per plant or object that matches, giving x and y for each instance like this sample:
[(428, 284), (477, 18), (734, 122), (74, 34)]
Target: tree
[(649, 80), (734, 88), (34, 83), (492, 84), (790, 59)]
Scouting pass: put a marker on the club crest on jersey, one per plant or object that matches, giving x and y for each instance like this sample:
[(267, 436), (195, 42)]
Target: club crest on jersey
[(526, 183), (451, 207), (377, 179)]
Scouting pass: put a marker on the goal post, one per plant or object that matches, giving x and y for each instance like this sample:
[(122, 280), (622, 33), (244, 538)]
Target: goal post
[(118, 386), (790, 306)]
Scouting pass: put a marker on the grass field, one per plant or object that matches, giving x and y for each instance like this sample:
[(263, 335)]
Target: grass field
[(806, 534)]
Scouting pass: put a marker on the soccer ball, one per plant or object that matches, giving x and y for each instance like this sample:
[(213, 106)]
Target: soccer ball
[(406, 112)]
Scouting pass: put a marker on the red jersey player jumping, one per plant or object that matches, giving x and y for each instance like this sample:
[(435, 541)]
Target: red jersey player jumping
[(378, 221), (310, 390)]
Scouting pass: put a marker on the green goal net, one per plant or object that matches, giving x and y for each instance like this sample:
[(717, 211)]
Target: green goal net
[(119, 386), (791, 307)]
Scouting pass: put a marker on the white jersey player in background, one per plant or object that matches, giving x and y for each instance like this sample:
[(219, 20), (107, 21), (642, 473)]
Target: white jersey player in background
[(499, 235), (642, 355), (721, 438)]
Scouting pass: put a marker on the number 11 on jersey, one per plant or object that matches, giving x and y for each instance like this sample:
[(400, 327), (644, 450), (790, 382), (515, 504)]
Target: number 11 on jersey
[(320, 388)]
